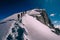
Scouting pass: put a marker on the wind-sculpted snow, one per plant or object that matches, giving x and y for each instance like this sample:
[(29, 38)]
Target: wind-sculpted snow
[(37, 30), (5, 26), (4, 29)]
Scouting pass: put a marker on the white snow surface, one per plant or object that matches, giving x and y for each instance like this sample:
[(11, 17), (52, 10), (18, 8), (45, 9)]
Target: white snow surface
[(37, 30), (33, 12)]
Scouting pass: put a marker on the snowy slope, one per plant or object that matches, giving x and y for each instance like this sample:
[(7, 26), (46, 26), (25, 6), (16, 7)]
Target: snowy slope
[(33, 12), (4, 29), (5, 25), (37, 30)]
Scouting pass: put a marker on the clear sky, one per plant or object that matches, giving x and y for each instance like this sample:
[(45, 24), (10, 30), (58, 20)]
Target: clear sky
[(9, 7)]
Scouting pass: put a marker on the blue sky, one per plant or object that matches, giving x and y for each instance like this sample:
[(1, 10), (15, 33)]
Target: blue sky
[(9, 7)]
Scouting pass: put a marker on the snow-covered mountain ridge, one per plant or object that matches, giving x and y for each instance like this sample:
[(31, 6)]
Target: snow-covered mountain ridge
[(35, 22)]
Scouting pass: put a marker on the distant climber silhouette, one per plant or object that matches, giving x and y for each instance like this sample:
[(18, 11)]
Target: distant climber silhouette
[(18, 16)]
